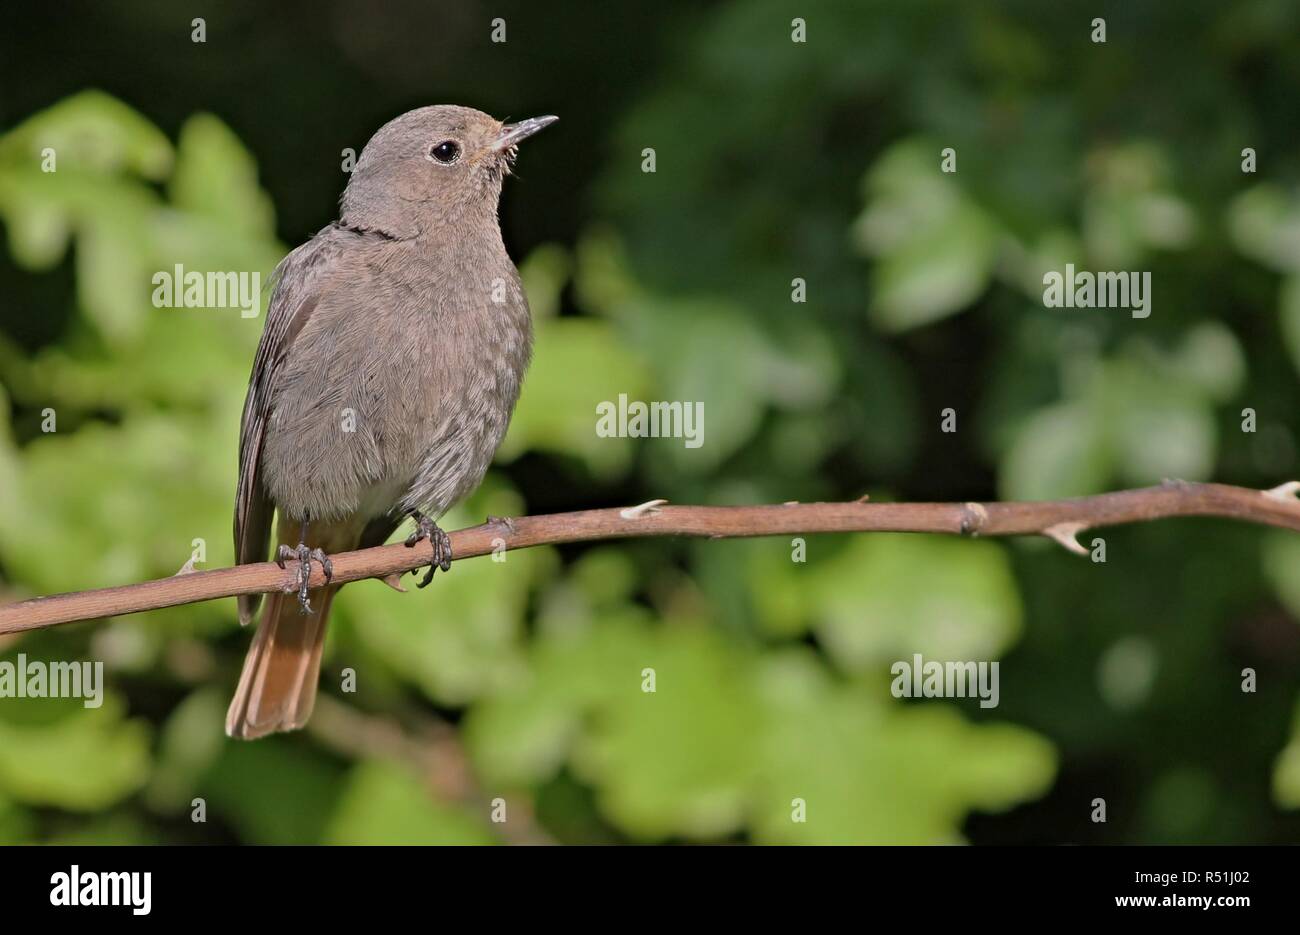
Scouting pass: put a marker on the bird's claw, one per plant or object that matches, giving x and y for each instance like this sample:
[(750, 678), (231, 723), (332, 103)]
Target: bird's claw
[(304, 556), (426, 528)]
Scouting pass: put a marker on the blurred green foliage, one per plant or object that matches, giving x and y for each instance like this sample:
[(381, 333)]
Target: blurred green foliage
[(519, 684)]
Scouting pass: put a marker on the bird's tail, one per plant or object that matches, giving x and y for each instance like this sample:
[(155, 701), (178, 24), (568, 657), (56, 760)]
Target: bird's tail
[(277, 688)]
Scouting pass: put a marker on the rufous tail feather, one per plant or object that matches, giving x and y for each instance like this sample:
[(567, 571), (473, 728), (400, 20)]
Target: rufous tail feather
[(277, 689)]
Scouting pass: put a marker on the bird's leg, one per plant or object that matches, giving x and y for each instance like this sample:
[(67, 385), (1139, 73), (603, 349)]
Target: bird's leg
[(426, 528), (305, 556)]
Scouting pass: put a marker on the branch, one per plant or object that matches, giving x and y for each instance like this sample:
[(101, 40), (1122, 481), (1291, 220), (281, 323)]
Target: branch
[(1060, 520)]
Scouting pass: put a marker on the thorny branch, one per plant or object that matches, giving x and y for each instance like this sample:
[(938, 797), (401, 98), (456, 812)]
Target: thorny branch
[(1060, 520)]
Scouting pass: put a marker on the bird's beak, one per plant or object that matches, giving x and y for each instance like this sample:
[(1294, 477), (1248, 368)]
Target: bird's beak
[(512, 133)]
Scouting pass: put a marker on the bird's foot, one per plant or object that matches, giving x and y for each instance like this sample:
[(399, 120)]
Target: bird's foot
[(426, 528), (305, 555)]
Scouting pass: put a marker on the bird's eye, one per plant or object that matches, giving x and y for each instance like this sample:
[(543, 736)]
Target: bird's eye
[(445, 152)]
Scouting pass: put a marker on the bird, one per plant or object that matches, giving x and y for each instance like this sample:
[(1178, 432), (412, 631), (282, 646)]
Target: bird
[(393, 352)]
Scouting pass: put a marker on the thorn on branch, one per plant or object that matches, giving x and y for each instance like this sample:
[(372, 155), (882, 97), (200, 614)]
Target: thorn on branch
[(1285, 492), (394, 581), (1064, 534), (642, 509)]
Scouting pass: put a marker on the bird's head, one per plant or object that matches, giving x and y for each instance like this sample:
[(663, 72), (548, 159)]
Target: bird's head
[(433, 168)]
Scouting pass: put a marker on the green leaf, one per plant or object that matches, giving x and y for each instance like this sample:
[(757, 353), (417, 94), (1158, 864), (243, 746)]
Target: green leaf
[(544, 273), (1286, 770), (1264, 223), (216, 177), (103, 484), (192, 739), (383, 803), (277, 790), (716, 357), (1159, 428), (1060, 451), (1289, 318), (679, 340), (679, 759), (114, 830), (1281, 559), (935, 249), (84, 761), (17, 825), (728, 739), (676, 760), (113, 275), (91, 132), (578, 363), (39, 230), (843, 765), (884, 597), (1210, 358), (1129, 210)]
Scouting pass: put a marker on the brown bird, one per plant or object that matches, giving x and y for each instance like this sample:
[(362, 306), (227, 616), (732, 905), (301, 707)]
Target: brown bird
[(395, 343)]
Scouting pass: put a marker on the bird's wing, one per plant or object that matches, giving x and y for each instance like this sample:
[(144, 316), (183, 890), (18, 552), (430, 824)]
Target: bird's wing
[(299, 281)]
